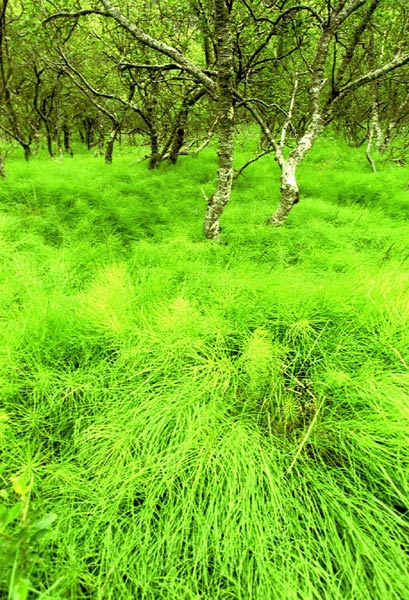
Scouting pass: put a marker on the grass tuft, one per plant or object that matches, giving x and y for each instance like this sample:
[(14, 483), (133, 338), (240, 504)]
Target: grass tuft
[(185, 420)]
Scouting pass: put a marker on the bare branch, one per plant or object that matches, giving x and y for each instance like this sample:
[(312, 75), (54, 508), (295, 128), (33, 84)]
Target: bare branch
[(85, 81), (300, 7), (144, 38), (86, 89), (159, 46), (290, 114), (251, 161), (354, 42), (283, 14), (127, 104), (165, 67), (397, 62), (75, 15), (249, 105), (346, 11)]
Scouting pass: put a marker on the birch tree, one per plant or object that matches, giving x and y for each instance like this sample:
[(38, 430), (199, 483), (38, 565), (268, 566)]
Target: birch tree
[(225, 120), (331, 70), (292, 66), (220, 91)]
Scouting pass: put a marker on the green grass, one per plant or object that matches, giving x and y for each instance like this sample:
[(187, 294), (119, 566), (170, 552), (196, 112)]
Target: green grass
[(185, 419)]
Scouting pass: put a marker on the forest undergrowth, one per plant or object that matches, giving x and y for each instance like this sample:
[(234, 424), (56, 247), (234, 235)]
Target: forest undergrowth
[(184, 419)]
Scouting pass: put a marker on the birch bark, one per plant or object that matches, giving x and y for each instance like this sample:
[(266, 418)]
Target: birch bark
[(225, 121), (321, 104), (289, 188)]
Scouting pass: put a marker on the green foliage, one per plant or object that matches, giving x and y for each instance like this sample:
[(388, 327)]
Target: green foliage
[(22, 531), (222, 421)]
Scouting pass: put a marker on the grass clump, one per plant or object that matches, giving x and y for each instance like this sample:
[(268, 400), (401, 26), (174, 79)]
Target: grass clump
[(185, 420)]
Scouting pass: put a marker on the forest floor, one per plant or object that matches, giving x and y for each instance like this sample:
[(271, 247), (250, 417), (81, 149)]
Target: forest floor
[(184, 419)]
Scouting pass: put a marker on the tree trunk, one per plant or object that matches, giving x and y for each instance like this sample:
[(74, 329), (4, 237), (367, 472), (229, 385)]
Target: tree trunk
[(289, 193), (67, 140), (36, 142), (49, 143), (178, 134), (109, 148), (225, 119), (88, 124), (27, 151), (2, 166), (369, 148), (154, 160), (179, 130), (177, 144)]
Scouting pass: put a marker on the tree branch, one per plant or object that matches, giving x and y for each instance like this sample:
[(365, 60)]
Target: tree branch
[(74, 15), (165, 67), (290, 114), (354, 42), (159, 46), (251, 161), (397, 62), (249, 105)]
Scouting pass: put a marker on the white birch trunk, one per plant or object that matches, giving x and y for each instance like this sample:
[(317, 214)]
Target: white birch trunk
[(225, 122), (289, 190), (217, 202), (369, 148)]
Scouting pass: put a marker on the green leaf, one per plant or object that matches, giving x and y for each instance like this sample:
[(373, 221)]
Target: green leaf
[(9, 515), (20, 485), (19, 590), (45, 522)]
